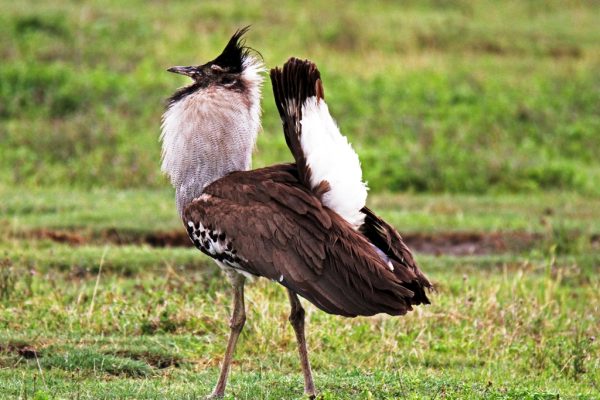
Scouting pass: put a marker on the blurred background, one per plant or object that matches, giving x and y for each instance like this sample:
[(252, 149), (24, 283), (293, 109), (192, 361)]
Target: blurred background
[(444, 96), (478, 127)]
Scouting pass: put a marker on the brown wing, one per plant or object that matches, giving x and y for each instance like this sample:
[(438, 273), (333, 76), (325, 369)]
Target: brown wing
[(276, 228), (389, 241)]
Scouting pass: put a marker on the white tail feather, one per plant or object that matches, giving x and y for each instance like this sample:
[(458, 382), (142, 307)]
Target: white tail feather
[(331, 158)]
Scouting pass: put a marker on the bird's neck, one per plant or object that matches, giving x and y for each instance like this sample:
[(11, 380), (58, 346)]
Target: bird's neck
[(207, 135)]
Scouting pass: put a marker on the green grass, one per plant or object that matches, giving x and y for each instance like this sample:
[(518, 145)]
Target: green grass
[(484, 114), (110, 321), (502, 331), (435, 96), (142, 211)]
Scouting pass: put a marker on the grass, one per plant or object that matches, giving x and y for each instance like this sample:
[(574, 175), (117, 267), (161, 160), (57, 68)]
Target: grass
[(504, 331), (104, 321), (144, 211), (483, 114), (436, 96)]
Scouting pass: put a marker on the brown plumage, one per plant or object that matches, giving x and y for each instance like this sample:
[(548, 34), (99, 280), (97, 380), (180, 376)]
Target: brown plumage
[(303, 224), (283, 232)]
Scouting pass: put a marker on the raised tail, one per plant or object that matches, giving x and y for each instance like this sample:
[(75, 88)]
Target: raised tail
[(293, 84), (326, 162)]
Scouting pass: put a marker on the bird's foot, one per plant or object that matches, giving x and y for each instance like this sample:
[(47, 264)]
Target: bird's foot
[(215, 395), (311, 395)]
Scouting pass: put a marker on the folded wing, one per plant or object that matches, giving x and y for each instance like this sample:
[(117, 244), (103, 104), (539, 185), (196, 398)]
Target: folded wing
[(267, 223)]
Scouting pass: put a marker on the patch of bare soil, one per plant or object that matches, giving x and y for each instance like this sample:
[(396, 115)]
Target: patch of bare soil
[(450, 243), (156, 360), (471, 243), (23, 349), (59, 236)]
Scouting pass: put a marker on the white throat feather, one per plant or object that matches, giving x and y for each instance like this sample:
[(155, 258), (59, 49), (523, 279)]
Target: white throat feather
[(210, 133)]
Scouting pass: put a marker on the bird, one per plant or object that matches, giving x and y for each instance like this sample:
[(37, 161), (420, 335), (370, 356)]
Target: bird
[(302, 224)]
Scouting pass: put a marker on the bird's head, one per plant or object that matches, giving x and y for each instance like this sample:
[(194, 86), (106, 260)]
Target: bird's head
[(235, 68)]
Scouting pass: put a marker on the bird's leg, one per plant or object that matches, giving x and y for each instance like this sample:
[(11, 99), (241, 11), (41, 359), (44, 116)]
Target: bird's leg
[(297, 321), (238, 318)]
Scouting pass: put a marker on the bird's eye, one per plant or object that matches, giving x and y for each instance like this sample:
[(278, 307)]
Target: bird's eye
[(217, 68), (228, 81)]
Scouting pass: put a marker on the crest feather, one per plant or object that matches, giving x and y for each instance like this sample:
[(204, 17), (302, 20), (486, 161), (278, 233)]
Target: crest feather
[(232, 57)]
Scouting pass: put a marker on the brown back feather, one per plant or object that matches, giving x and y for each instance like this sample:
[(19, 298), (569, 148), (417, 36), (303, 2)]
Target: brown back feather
[(281, 229)]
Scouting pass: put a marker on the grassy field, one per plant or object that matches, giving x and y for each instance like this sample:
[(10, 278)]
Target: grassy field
[(478, 126), (452, 96), (99, 320)]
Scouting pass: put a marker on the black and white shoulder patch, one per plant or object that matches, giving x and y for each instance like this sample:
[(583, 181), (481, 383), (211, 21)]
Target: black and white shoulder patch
[(214, 243)]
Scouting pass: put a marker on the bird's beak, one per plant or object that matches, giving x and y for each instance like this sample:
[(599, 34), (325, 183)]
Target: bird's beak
[(188, 71)]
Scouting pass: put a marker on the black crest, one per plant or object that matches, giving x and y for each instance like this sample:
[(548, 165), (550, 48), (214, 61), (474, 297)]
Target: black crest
[(234, 53)]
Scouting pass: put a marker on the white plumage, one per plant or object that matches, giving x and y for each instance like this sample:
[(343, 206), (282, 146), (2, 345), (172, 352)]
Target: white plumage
[(331, 158), (211, 133)]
